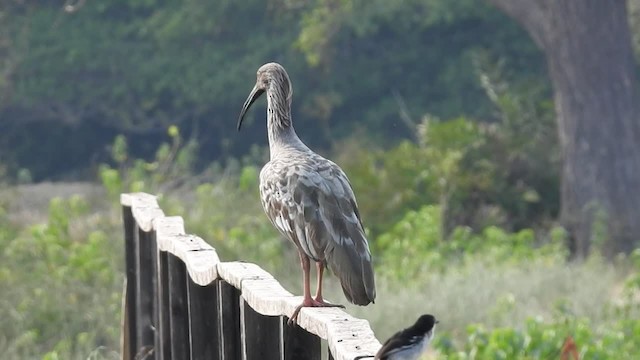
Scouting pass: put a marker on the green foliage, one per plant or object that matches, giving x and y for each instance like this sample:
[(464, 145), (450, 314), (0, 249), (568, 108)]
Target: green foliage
[(540, 340), (7, 231), (65, 293), (481, 174), (135, 66), (632, 283), (412, 174), (420, 232), (171, 165)]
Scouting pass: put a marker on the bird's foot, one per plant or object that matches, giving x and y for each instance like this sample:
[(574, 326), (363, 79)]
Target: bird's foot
[(319, 301), (310, 303)]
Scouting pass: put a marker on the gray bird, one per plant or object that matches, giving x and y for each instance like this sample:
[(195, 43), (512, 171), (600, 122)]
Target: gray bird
[(309, 200)]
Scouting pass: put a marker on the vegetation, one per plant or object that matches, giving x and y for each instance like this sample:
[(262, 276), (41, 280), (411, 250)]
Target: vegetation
[(451, 148), (62, 284), (498, 293), (136, 67)]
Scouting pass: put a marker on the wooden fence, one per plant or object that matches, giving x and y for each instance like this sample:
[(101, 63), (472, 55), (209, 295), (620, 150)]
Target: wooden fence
[(181, 302)]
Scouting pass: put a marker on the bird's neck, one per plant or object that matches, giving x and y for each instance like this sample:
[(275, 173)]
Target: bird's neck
[(279, 124)]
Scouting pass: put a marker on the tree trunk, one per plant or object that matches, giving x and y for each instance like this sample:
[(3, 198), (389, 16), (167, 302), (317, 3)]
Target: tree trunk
[(587, 44)]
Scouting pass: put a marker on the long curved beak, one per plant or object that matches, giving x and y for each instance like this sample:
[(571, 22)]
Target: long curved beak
[(255, 93)]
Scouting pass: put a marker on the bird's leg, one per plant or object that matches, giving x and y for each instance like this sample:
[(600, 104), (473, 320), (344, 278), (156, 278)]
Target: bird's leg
[(318, 299), (308, 301), (320, 267), (306, 280)]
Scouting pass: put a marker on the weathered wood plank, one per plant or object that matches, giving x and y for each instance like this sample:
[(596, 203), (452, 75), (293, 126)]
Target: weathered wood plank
[(125, 346), (169, 226), (155, 294), (266, 296), (300, 344), (126, 199), (144, 207), (163, 331), (203, 320), (179, 313), (130, 269), (346, 336), (199, 257), (261, 335), (229, 321), (145, 278), (235, 272)]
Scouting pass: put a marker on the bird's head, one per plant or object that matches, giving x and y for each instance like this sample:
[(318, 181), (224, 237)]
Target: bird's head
[(272, 78), (426, 323)]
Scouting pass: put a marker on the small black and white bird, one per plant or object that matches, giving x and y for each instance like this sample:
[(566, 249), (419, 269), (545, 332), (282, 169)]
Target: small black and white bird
[(408, 344)]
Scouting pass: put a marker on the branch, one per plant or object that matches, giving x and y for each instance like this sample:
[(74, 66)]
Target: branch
[(404, 113)]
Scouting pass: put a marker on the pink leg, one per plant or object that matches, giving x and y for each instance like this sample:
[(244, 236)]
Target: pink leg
[(308, 301), (320, 267), (306, 280), (318, 299)]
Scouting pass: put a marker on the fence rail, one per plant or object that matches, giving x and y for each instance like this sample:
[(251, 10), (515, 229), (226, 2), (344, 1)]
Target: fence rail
[(181, 302)]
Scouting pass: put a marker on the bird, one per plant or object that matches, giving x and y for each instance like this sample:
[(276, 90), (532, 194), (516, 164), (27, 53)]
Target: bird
[(309, 200), (407, 344)]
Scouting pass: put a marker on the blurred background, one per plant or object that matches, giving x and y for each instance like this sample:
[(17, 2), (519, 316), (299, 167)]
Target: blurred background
[(494, 148)]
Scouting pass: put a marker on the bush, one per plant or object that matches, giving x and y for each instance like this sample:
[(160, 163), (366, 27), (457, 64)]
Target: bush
[(65, 283), (169, 169), (420, 232), (540, 340)]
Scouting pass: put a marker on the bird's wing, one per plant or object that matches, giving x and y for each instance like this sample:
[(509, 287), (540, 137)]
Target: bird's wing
[(400, 341), (313, 205), (277, 200)]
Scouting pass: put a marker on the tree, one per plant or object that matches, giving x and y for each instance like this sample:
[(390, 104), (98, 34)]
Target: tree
[(587, 44)]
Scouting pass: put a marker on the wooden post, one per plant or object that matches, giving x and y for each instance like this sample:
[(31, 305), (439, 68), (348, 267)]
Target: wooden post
[(155, 292), (179, 313), (229, 321), (163, 330), (130, 268), (203, 320), (145, 278), (125, 347), (261, 335), (299, 344)]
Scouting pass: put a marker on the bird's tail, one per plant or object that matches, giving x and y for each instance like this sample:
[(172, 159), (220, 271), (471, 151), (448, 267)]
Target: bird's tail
[(353, 266)]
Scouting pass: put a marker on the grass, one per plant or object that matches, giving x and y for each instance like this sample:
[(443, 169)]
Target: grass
[(495, 296)]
